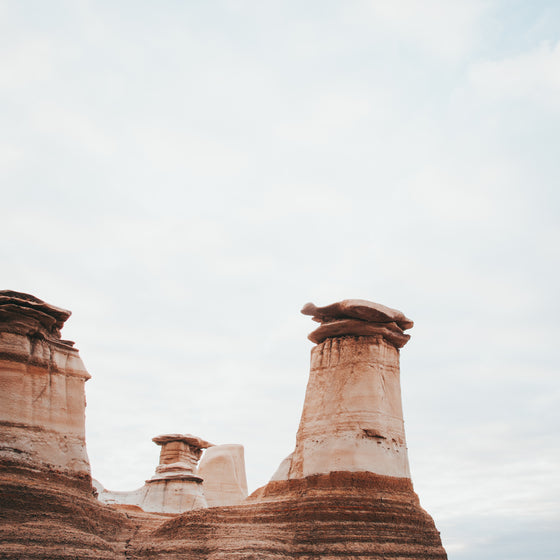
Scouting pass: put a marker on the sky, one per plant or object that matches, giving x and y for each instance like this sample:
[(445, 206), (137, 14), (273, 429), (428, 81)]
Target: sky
[(184, 176)]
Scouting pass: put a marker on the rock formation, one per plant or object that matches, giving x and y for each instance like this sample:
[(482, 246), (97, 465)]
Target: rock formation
[(47, 509), (222, 470), (345, 491), (352, 417), (176, 486), (42, 396)]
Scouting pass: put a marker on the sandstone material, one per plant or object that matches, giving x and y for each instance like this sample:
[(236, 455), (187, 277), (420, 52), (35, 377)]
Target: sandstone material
[(47, 509), (331, 516), (344, 493), (222, 470), (352, 415), (358, 317), (42, 397), (179, 455), (358, 309), (175, 487)]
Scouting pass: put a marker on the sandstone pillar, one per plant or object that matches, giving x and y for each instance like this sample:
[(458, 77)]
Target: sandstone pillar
[(42, 398), (175, 487), (352, 417), (346, 490)]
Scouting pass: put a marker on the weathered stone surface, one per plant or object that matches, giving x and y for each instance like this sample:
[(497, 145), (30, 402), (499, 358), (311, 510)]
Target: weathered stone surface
[(352, 415), (345, 492), (42, 397), (175, 487), (331, 516), (47, 509), (358, 309), (222, 470), (358, 317)]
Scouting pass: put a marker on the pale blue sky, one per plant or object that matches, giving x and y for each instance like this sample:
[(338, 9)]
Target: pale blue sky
[(185, 176)]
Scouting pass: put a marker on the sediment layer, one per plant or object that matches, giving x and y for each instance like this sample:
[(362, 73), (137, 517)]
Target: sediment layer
[(334, 516)]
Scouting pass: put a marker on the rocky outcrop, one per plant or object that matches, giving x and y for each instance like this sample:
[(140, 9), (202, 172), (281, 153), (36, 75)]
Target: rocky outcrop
[(358, 317), (47, 509), (179, 486), (42, 396), (345, 491), (352, 418), (176, 486), (222, 470), (359, 516)]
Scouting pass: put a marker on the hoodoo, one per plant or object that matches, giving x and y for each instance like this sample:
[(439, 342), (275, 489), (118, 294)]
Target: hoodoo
[(176, 486), (42, 396), (352, 418), (47, 509), (345, 491)]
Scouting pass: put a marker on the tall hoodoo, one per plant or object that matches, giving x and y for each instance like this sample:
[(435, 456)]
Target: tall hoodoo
[(47, 508), (42, 397), (345, 492), (352, 417)]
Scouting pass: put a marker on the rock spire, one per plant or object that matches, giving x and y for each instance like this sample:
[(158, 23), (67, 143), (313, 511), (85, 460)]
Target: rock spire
[(42, 393), (352, 416)]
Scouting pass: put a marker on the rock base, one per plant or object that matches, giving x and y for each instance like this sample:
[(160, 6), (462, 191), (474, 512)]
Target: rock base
[(333, 516)]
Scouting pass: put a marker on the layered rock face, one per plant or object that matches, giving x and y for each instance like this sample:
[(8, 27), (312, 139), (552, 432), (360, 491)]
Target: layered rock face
[(42, 397), (176, 486), (179, 486), (346, 491), (47, 509), (352, 416)]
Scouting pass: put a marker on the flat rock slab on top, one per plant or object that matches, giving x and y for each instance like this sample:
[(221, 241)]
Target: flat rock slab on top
[(25, 314), (358, 317), (358, 309), (189, 439)]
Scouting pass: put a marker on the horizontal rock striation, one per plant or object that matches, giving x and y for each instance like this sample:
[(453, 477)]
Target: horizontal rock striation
[(222, 469), (48, 516), (344, 493), (340, 515), (47, 507), (42, 397)]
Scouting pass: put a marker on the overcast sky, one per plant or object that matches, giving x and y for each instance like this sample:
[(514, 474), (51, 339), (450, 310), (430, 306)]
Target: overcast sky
[(185, 175)]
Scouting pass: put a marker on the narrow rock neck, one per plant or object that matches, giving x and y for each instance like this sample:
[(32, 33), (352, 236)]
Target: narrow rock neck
[(352, 416)]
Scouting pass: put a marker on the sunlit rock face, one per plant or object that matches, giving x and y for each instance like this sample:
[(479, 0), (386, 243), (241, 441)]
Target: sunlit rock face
[(222, 470), (42, 397)]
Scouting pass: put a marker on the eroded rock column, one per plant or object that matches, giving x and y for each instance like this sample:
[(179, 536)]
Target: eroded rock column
[(175, 487), (352, 417), (42, 397)]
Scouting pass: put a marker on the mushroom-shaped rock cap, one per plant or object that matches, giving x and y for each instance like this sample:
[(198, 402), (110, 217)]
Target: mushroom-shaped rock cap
[(189, 439), (358, 309), (27, 314), (358, 317)]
